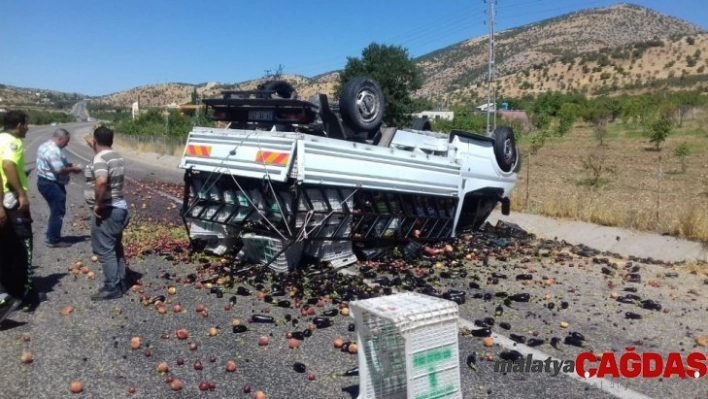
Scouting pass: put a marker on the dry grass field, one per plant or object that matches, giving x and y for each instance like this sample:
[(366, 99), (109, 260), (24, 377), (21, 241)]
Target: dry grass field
[(632, 194)]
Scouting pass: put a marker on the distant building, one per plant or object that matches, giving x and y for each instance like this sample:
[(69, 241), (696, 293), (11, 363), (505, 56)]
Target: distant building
[(521, 116), (485, 107), (445, 115)]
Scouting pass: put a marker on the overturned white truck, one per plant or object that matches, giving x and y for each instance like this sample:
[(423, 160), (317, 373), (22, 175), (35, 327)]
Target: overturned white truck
[(285, 177)]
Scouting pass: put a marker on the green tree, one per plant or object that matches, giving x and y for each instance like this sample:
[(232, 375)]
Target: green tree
[(567, 116), (548, 104), (397, 74), (634, 110), (659, 130), (686, 100), (610, 106), (423, 104)]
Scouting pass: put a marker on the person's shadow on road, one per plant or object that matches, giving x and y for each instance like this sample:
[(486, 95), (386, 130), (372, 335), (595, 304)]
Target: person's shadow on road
[(9, 324), (352, 390), (43, 285), (46, 284), (76, 239)]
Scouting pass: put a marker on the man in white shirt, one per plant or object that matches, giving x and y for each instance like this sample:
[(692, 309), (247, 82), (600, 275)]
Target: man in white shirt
[(53, 172)]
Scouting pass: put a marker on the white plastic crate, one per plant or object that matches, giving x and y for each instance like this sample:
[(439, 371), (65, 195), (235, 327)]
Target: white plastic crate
[(345, 259), (202, 229), (263, 249), (202, 191), (408, 347), (219, 246), (337, 253), (332, 195), (234, 197), (316, 222), (283, 207), (316, 219)]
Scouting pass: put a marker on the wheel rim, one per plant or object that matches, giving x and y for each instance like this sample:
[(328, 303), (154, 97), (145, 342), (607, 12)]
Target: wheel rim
[(367, 105), (508, 150)]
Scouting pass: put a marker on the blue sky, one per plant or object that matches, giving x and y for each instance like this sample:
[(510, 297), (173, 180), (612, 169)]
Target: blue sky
[(97, 47)]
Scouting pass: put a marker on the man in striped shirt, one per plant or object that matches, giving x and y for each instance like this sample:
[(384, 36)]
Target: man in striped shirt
[(104, 194)]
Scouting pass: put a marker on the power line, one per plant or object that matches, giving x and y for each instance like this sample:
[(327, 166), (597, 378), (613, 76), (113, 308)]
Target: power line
[(491, 83)]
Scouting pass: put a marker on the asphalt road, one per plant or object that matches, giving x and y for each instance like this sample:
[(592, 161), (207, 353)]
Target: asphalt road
[(92, 343), (80, 112)]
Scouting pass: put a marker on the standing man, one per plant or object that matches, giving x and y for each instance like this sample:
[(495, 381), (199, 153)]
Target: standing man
[(17, 236), (8, 304), (104, 194), (53, 172)]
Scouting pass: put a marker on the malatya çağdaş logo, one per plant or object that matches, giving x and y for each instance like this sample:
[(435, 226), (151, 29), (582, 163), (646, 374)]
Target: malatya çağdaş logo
[(630, 364)]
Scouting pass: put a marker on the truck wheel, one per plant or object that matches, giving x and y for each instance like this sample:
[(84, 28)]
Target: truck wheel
[(422, 124), (361, 105), (282, 88), (505, 148)]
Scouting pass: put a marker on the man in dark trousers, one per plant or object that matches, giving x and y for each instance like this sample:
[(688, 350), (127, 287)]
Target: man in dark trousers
[(53, 172), (8, 304), (104, 194), (17, 244)]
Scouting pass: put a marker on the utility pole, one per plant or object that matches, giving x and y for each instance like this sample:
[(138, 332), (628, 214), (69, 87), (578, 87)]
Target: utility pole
[(491, 77)]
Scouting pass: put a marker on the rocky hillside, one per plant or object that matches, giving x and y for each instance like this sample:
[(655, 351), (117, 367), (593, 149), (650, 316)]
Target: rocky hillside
[(454, 72), (36, 98), (679, 62), (604, 50)]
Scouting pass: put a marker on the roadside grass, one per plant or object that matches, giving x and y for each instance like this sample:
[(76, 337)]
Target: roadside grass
[(155, 144), (629, 191)]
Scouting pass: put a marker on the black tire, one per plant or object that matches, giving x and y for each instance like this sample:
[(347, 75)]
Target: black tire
[(361, 105), (422, 124), (282, 89), (505, 148)]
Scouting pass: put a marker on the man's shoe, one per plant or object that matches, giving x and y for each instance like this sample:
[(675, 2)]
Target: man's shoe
[(105, 294), (31, 301), (8, 305), (58, 244)]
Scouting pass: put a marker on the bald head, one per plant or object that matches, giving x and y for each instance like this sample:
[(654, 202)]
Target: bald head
[(61, 137), (60, 133)]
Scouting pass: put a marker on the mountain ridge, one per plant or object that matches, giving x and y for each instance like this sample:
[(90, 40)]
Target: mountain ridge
[(590, 50)]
